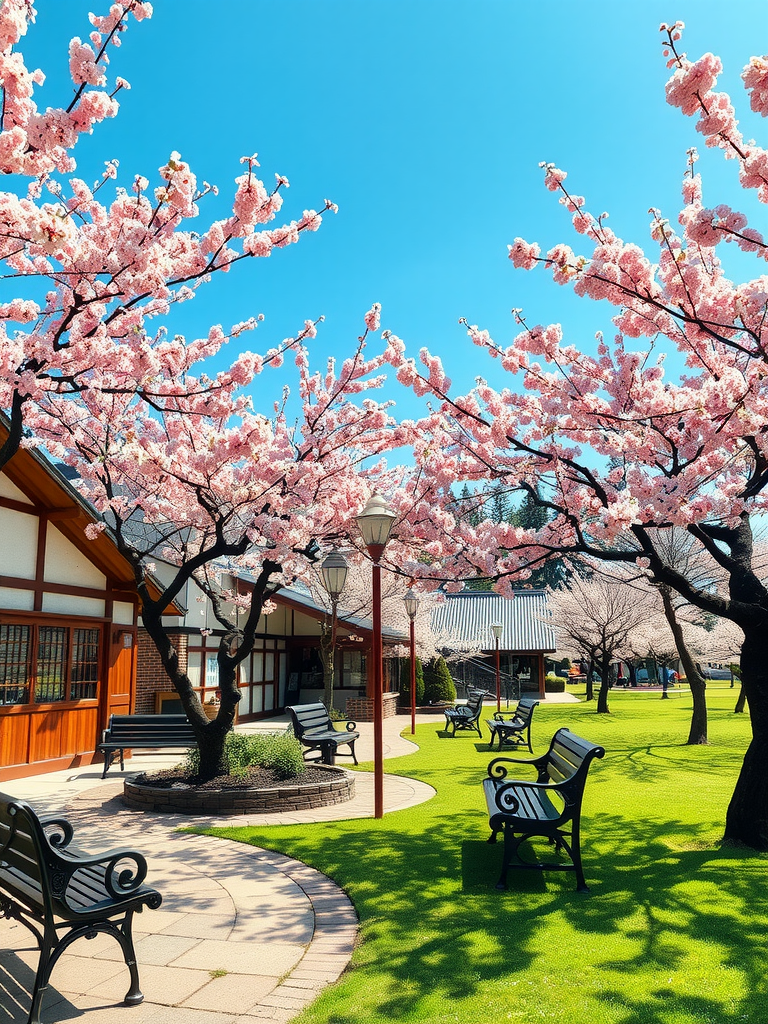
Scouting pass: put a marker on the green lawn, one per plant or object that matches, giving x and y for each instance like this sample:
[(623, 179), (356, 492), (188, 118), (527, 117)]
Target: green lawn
[(674, 931)]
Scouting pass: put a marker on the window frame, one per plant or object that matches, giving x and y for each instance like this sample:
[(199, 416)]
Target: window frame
[(36, 623)]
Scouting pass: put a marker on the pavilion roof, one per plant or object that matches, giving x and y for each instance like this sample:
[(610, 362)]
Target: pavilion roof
[(525, 620)]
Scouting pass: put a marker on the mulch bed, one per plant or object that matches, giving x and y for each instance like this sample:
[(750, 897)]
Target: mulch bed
[(255, 778)]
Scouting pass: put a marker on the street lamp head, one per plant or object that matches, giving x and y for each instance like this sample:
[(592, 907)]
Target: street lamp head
[(334, 572), (497, 628), (375, 522), (411, 602)]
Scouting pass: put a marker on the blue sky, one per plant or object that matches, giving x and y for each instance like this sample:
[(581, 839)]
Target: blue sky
[(425, 120)]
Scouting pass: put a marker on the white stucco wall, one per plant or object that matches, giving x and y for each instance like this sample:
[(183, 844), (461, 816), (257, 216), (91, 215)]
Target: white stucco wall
[(9, 490), (123, 613), (18, 600), (18, 543), (65, 564), (70, 604)]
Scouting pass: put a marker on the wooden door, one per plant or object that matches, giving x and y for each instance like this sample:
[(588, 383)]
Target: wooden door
[(120, 691)]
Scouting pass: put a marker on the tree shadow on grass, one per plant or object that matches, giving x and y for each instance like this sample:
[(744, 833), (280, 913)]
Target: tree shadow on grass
[(435, 928)]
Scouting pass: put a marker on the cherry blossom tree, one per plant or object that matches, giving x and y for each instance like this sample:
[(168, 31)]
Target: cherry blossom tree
[(225, 495), (612, 445), (88, 277)]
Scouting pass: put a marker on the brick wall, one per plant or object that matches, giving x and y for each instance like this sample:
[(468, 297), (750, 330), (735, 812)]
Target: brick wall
[(360, 709), (151, 677)]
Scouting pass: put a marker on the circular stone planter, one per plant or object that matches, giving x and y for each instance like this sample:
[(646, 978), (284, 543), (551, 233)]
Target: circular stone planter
[(285, 797)]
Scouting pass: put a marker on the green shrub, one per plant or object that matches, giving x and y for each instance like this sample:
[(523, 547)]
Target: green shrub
[(405, 682), (438, 685), (278, 750), (554, 684)]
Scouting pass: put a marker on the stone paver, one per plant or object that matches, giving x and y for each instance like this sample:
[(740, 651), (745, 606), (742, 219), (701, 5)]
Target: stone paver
[(243, 935)]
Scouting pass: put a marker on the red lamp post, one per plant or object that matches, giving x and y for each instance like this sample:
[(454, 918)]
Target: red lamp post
[(497, 629), (411, 602), (375, 522)]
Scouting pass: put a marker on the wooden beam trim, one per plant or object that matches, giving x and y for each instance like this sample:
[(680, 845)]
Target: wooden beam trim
[(21, 506), (18, 583)]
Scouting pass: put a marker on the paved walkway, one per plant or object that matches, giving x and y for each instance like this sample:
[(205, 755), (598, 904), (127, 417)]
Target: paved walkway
[(243, 934)]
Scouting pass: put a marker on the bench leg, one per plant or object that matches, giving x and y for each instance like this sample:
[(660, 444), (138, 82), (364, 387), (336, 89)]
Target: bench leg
[(510, 849), (575, 852), (328, 753), (125, 937), (44, 968), (352, 751)]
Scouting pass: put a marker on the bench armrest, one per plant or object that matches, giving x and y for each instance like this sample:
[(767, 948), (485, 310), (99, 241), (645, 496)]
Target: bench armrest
[(58, 831), (496, 769), (461, 711), (506, 800), (351, 726), (122, 870)]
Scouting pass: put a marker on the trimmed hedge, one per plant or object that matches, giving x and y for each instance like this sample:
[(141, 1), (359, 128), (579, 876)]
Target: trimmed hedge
[(554, 684)]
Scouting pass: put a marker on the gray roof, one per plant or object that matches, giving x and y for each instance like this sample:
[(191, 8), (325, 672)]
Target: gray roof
[(468, 617)]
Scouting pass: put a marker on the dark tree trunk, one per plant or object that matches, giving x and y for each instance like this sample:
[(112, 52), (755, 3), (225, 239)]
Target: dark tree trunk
[(747, 818), (632, 674), (12, 442), (698, 730), (602, 697), (210, 735), (326, 658), (590, 689), (741, 701)]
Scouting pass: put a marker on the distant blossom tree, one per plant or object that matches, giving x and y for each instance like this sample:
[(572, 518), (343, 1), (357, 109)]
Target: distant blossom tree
[(612, 446), (601, 617)]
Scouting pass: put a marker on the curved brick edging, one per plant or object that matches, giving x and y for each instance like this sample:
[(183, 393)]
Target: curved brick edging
[(339, 788)]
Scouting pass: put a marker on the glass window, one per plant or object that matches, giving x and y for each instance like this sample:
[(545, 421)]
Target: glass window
[(84, 675), (15, 660), (48, 664), (353, 669), (50, 679)]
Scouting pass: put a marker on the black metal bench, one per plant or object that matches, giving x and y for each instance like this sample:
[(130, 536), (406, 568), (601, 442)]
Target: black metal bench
[(549, 807), (143, 731), (516, 730), (466, 716), (313, 728), (50, 886)]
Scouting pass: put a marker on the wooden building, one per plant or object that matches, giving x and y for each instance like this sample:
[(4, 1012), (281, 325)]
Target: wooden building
[(68, 623), (285, 666)]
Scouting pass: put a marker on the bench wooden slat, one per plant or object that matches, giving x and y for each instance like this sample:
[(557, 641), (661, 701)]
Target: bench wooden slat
[(146, 732), (549, 808)]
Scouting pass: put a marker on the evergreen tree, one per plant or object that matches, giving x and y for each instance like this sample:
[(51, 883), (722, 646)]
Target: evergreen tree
[(438, 684), (405, 682)]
